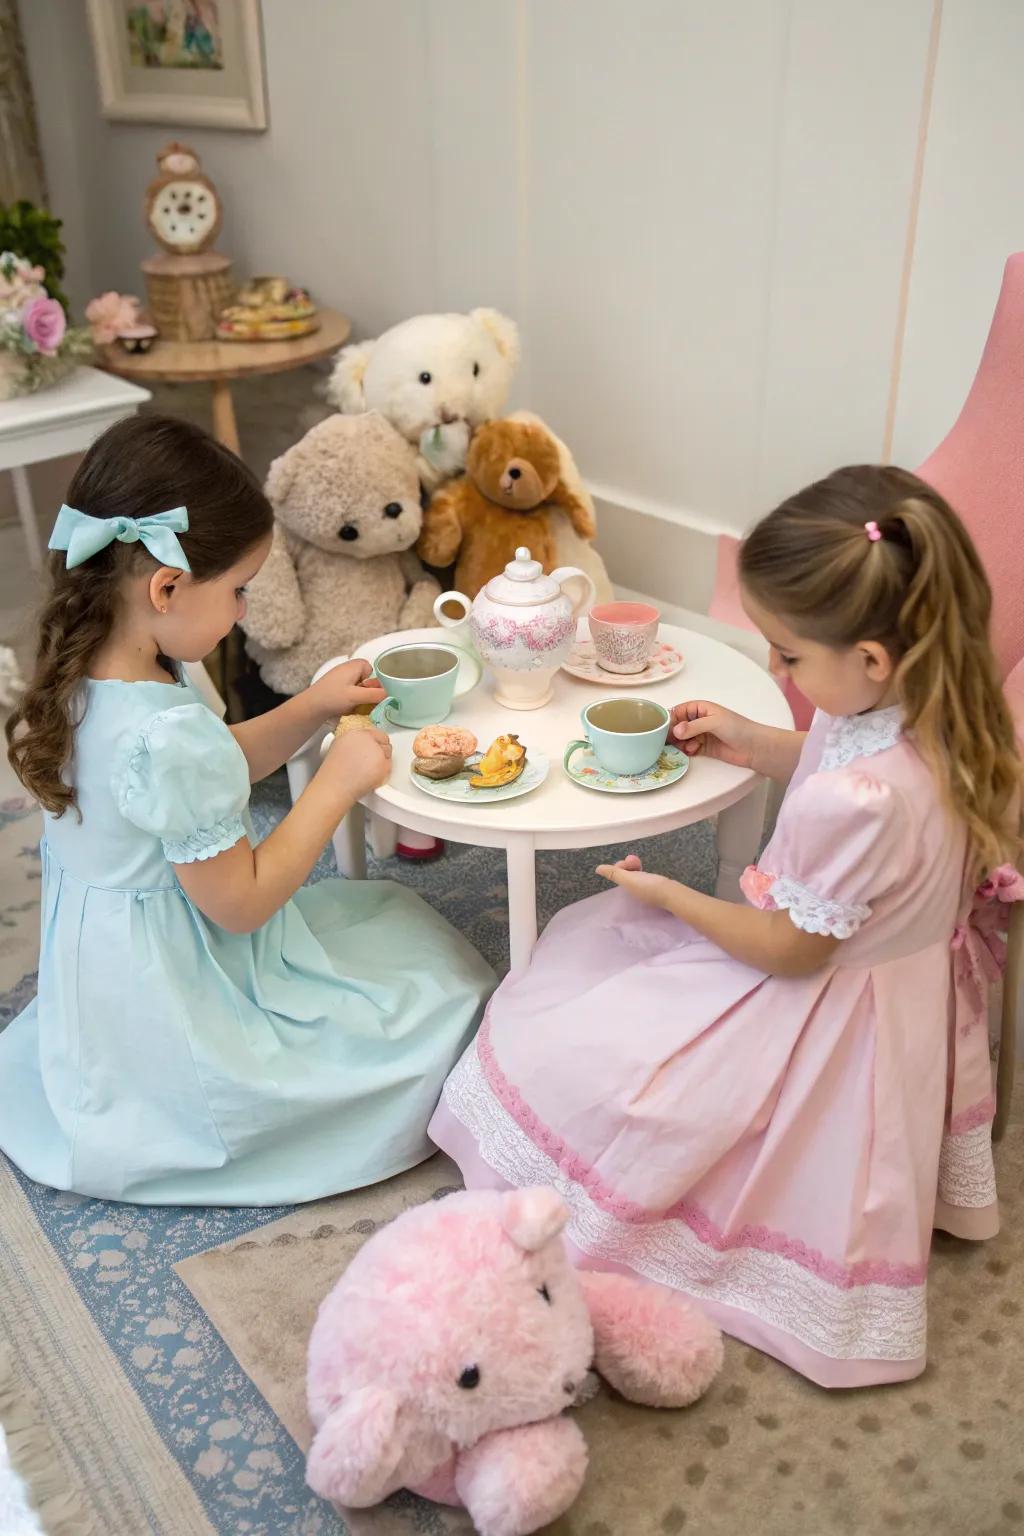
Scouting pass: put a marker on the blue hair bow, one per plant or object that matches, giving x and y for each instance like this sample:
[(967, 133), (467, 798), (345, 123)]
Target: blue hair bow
[(83, 536)]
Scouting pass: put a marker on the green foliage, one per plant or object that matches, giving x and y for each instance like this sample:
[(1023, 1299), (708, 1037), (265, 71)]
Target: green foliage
[(33, 233)]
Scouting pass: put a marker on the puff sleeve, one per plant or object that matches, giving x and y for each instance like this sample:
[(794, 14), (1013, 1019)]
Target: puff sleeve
[(838, 849), (185, 779)]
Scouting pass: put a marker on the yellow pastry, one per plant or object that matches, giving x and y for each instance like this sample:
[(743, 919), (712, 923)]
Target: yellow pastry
[(501, 764)]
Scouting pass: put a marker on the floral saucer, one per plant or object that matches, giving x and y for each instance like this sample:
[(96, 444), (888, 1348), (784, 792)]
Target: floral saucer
[(665, 662), (459, 789), (583, 768)]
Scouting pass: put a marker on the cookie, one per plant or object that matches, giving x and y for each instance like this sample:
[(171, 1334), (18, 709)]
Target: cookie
[(353, 723)]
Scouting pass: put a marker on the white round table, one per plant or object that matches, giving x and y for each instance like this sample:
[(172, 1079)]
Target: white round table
[(562, 814)]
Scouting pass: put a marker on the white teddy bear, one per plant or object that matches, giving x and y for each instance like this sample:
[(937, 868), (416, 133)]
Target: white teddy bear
[(435, 378), (438, 377)]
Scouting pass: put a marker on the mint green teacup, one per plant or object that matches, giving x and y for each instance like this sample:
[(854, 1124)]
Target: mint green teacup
[(625, 735), (422, 679)]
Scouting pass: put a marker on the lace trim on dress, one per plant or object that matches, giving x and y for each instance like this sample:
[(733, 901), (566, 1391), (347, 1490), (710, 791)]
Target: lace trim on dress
[(853, 736), (873, 1309), (967, 1175), (205, 842), (817, 914), (807, 910)]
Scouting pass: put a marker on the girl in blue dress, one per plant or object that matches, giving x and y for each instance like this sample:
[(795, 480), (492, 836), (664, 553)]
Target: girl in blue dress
[(207, 1029)]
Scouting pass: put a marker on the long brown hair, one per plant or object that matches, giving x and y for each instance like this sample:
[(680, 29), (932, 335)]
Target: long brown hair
[(138, 468), (919, 590)]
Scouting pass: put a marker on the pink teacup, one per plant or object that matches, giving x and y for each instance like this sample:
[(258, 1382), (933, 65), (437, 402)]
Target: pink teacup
[(624, 635)]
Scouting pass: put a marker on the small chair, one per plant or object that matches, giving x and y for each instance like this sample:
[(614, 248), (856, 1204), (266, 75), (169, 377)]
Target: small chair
[(979, 468)]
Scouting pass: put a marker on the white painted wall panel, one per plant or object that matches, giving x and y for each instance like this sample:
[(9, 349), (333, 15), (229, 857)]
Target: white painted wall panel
[(971, 217), (852, 104)]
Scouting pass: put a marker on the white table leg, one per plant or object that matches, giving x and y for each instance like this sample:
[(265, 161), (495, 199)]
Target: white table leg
[(350, 845), (522, 901), (739, 837), (383, 837), (27, 514)]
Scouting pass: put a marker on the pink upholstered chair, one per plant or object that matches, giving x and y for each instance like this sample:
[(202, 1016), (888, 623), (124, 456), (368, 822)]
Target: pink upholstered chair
[(979, 469)]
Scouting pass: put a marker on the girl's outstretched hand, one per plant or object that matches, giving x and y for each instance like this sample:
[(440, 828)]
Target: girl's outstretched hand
[(629, 873), (701, 727), (360, 761), (346, 687)]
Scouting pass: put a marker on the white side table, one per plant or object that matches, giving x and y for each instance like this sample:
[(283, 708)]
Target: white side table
[(561, 814), (65, 419)]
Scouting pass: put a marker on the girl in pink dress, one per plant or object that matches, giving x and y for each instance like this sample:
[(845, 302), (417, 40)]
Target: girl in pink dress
[(770, 1106)]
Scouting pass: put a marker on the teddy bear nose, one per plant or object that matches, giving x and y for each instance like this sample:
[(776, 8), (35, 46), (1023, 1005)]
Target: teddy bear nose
[(393, 509), (448, 416), (348, 533), (470, 1378), (569, 1388), (515, 474)]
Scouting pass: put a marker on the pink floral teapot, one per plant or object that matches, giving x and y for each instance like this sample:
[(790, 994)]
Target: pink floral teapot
[(523, 625)]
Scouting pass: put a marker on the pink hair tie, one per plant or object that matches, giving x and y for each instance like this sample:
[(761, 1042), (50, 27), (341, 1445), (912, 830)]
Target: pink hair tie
[(873, 532)]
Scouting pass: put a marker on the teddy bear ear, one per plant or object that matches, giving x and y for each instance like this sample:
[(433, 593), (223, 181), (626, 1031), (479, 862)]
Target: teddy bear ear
[(504, 332), (532, 1217), (280, 476), (345, 387)]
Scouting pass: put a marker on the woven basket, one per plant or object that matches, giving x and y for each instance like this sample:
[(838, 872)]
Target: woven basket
[(185, 303)]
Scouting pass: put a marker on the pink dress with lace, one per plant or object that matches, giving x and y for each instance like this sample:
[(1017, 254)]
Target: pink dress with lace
[(778, 1148)]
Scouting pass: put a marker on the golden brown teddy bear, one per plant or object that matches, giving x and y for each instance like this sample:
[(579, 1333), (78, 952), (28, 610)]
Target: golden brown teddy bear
[(513, 478)]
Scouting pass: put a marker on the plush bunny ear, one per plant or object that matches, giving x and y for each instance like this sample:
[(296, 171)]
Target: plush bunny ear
[(356, 1453), (345, 387), (504, 331), (532, 1217)]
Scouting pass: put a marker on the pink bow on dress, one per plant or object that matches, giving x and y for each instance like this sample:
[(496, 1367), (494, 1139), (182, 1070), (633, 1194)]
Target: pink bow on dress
[(979, 943)]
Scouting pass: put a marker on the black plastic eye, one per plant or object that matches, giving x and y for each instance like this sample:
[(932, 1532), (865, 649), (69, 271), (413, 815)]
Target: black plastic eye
[(426, 378), (476, 370), (470, 1378), (393, 509), (542, 1290)]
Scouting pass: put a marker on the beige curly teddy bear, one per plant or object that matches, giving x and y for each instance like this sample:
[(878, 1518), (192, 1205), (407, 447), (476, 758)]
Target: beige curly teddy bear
[(341, 568)]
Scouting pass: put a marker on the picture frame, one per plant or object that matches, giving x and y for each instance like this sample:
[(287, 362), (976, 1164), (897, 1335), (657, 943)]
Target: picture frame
[(187, 63)]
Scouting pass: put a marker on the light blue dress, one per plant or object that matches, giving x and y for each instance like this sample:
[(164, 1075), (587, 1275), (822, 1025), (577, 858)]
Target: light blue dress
[(166, 1061)]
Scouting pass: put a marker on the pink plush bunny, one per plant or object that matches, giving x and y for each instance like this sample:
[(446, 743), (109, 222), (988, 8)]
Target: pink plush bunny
[(444, 1356)]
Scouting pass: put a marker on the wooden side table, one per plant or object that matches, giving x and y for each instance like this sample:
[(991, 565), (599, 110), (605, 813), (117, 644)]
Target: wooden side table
[(218, 363)]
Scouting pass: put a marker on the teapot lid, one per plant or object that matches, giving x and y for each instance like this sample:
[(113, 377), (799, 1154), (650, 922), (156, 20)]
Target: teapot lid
[(523, 582)]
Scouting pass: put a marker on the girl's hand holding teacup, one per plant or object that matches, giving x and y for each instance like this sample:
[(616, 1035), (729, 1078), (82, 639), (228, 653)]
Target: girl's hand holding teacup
[(699, 727), (347, 687)]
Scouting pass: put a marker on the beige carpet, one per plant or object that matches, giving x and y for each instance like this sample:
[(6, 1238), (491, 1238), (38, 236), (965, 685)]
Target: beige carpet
[(765, 1452)]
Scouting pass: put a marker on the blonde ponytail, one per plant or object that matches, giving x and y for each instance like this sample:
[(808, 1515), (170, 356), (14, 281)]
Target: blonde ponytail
[(921, 591)]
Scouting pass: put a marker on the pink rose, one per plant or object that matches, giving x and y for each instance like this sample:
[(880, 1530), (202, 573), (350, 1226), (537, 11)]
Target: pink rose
[(44, 324), (110, 314)]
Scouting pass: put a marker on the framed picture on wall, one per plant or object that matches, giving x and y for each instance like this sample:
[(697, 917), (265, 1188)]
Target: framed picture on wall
[(190, 63)]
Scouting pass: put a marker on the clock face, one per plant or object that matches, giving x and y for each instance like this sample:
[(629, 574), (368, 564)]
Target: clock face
[(183, 214)]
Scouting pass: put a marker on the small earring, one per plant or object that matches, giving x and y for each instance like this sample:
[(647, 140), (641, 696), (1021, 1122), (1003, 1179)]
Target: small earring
[(163, 607)]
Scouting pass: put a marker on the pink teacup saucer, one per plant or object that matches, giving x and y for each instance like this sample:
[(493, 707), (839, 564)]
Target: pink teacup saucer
[(665, 662)]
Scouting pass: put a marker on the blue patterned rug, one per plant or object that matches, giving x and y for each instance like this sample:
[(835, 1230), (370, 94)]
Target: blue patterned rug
[(240, 1465)]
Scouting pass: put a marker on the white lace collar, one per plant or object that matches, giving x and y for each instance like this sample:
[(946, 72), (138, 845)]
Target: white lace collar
[(853, 736)]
